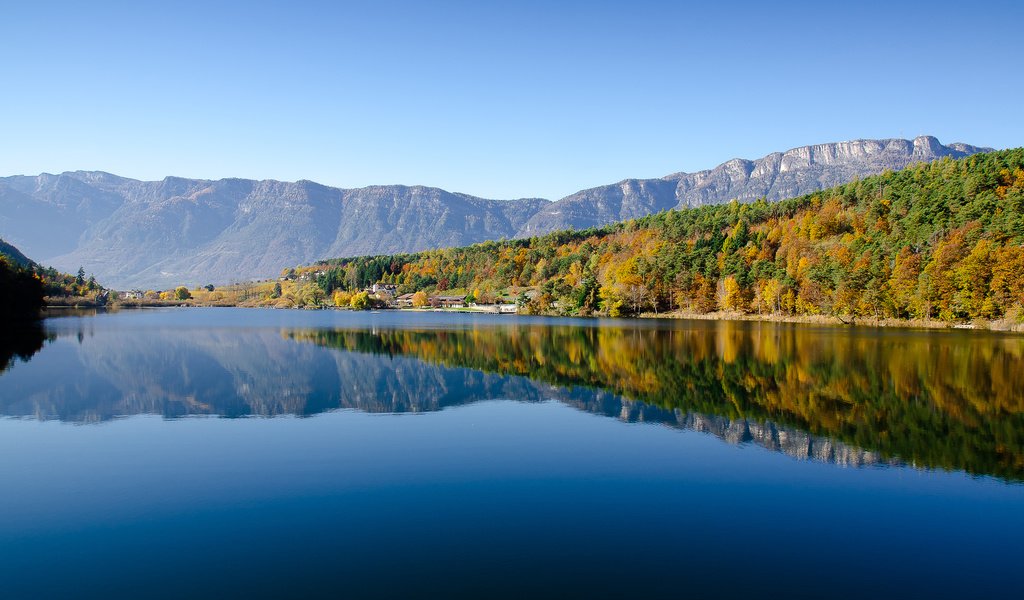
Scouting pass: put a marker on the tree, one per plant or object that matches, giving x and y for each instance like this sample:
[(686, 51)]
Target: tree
[(770, 294), (586, 296), (181, 293), (732, 298), (360, 301), (311, 294), (903, 284), (341, 298), (419, 299)]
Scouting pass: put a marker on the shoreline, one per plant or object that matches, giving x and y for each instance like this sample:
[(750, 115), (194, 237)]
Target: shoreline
[(1002, 326)]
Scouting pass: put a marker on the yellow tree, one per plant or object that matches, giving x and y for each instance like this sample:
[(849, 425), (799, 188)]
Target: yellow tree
[(732, 296), (360, 301), (903, 284), (1007, 285), (341, 298), (973, 275), (771, 291), (939, 277)]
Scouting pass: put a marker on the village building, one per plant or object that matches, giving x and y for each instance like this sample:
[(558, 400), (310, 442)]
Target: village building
[(389, 289), (447, 301)]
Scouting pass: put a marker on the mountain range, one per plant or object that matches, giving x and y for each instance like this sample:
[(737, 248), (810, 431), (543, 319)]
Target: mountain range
[(155, 234)]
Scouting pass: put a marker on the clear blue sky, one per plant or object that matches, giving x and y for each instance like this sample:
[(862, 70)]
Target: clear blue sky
[(500, 100)]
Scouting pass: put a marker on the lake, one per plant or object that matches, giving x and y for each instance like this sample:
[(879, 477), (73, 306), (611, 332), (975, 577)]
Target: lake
[(186, 453)]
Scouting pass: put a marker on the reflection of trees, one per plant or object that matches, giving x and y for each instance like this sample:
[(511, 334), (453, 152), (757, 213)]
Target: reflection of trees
[(947, 400), (936, 399), (20, 342)]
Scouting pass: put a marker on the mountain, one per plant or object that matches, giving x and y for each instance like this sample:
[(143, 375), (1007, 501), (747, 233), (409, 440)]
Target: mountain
[(778, 176), (157, 234), (160, 233)]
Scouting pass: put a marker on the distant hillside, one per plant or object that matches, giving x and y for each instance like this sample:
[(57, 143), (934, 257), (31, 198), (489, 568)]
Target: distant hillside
[(943, 240), (155, 234)]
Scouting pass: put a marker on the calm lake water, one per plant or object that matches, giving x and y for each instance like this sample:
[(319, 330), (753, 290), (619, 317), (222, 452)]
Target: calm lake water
[(189, 453)]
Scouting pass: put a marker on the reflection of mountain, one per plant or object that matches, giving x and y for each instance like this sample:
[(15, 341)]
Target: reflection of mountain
[(936, 399), (177, 373), (787, 440), (852, 398)]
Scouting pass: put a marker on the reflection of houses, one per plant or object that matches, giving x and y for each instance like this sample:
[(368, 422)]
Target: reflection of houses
[(405, 300), (447, 301)]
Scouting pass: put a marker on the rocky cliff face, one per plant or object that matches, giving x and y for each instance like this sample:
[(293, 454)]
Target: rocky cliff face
[(778, 176), (157, 234)]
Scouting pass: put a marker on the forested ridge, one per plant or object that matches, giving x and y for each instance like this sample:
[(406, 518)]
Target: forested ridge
[(942, 240)]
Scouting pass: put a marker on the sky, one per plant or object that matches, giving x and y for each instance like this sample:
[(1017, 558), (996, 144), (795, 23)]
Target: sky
[(500, 100)]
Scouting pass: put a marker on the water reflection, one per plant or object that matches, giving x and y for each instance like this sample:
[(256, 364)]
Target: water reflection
[(20, 342), (854, 397), (936, 399)]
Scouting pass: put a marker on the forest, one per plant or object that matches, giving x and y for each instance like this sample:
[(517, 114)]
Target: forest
[(936, 241)]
